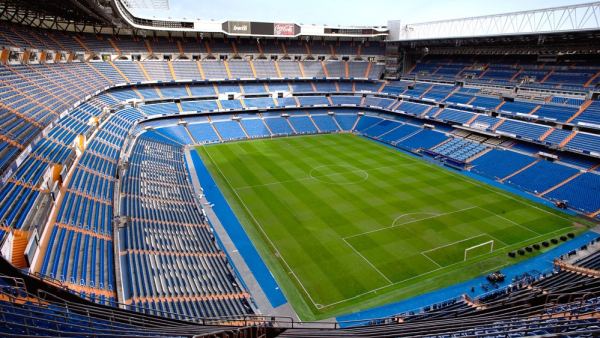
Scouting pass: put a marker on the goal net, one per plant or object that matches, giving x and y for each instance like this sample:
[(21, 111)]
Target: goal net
[(479, 249)]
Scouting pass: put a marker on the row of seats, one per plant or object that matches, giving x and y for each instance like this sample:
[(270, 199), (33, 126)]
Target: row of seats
[(23, 313), (242, 69), (253, 125), (526, 72), (460, 98), (582, 142), (79, 250), (33, 96), (555, 181), (28, 37), (170, 261), (25, 180), (588, 115), (459, 149)]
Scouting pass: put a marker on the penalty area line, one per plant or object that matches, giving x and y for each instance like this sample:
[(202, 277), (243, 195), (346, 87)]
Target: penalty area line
[(409, 222), (431, 259), (449, 244), (368, 261)]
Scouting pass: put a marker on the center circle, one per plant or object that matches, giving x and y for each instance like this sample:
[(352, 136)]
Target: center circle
[(339, 174)]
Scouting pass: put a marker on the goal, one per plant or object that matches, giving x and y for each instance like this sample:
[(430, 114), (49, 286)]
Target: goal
[(489, 244)]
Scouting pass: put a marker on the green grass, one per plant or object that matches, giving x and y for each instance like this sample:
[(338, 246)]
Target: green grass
[(345, 223)]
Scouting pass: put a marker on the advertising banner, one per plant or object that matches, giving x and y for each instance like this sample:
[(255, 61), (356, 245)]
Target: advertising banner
[(239, 27), (284, 29)]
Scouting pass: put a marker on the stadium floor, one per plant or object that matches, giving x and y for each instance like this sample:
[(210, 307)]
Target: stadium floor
[(345, 223)]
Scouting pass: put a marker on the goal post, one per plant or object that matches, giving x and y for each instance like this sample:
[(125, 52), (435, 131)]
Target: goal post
[(488, 243)]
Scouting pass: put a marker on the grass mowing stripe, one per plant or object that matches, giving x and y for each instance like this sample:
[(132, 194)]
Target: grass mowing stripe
[(474, 182), (252, 215), (511, 221), (449, 244), (260, 227), (429, 258), (308, 229), (368, 262), (410, 222), (340, 218), (312, 176)]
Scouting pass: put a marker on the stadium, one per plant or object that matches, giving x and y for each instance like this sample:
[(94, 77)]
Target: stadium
[(228, 178)]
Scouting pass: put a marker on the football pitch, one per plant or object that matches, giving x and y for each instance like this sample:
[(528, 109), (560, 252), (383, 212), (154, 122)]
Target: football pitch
[(345, 223)]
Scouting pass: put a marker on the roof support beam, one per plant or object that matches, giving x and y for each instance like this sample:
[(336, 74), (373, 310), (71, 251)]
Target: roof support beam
[(581, 17)]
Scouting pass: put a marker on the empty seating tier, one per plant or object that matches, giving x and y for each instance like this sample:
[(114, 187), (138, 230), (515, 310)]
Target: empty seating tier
[(169, 259)]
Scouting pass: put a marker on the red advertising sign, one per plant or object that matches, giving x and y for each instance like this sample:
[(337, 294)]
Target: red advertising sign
[(284, 29)]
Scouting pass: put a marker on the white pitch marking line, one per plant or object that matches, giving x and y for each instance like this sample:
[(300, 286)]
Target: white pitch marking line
[(496, 239), (316, 178), (432, 271), (415, 213), (273, 183), (473, 181), (511, 221), (368, 261), (449, 244), (434, 262), (410, 222), (414, 162), (364, 178), (262, 230)]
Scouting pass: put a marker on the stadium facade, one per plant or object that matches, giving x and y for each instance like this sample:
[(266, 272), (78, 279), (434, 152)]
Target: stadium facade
[(115, 219)]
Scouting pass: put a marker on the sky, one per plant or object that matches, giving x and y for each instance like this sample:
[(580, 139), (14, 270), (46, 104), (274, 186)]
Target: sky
[(344, 12)]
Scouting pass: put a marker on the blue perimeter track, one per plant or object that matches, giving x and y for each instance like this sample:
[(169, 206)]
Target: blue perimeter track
[(541, 264), (237, 233)]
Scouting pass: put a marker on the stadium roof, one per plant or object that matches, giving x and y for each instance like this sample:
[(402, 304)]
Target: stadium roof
[(57, 14), (115, 16), (244, 28), (573, 18)]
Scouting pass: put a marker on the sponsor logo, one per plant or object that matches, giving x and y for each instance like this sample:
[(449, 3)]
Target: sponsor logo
[(283, 29), (242, 27)]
